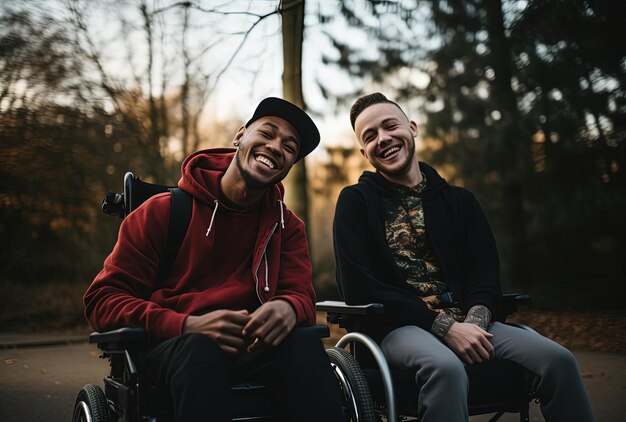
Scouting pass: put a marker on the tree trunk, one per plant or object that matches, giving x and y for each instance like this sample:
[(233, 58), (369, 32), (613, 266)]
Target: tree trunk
[(513, 152), (293, 33), (155, 161)]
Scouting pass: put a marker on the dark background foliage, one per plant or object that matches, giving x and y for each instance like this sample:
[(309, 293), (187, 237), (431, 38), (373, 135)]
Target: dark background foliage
[(525, 106)]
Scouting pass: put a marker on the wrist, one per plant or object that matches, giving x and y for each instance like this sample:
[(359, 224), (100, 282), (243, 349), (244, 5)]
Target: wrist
[(188, 324), (479, 315), (442, 324)]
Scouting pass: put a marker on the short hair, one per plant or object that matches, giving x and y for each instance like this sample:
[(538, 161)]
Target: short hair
[(369, 100)]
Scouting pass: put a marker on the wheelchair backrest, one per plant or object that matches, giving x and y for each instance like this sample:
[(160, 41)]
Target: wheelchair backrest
[(136, 191)]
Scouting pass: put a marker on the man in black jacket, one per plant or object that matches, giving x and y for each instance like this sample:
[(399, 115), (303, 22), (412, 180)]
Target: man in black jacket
[(406, 238)]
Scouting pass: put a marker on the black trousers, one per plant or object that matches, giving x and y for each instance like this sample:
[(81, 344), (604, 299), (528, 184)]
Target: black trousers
[(199, 375)]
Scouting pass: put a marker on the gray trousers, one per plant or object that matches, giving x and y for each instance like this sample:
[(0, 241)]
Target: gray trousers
[(443, 395)]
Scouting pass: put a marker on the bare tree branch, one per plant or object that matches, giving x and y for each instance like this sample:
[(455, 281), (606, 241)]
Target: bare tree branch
[(240, 46), (105, 83)]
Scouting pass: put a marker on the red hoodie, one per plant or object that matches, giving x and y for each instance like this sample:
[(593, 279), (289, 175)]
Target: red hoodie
[(229, 259)]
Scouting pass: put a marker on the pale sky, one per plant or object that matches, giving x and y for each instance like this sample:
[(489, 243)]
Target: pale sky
[(256, 70)]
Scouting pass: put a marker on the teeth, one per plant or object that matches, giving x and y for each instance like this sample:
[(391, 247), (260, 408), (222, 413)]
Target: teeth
[(265, 161), (391, 151)]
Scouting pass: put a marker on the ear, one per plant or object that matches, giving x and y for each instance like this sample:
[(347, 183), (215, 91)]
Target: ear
[(239, 135), (413, 126), (362, 151)]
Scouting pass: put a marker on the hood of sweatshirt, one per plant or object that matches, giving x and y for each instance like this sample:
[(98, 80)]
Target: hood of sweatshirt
[(434, 182), (202, 172)]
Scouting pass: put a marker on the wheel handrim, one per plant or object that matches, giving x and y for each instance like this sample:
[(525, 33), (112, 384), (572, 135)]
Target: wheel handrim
[(81, 412), (347, 392)]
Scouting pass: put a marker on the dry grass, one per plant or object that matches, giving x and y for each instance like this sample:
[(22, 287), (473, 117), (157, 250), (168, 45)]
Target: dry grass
[(593, 331), (48, 306)]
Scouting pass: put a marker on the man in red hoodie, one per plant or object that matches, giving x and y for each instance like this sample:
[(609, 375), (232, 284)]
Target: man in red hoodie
[(239, 285)]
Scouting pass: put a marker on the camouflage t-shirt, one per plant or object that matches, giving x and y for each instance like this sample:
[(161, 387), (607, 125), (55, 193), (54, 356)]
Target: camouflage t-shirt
[(406, 235)]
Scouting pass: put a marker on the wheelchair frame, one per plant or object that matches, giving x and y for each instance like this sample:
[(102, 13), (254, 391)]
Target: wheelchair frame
[(128, 395), (351, 317), (125, 391)]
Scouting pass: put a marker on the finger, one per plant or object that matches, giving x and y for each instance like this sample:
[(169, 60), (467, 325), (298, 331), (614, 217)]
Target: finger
[(276, 332), (488, 347), (238, 317), (483, 332), (257, 345), (482, 352), (229, 339), (476, 357), (279, 339), (270, 334), (466, 358), (228, 349), (257, 318), (230, 328), (254, 325)]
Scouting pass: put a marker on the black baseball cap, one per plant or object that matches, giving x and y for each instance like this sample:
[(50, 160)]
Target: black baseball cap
[(308, 134)]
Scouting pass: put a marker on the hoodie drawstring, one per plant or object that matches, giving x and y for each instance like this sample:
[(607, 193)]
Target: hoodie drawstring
[(267, 287), (212, 218), (282, 217), (282, 222)]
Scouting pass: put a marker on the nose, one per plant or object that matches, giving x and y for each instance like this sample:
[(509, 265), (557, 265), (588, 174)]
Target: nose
[(383, 137), (273, 145)]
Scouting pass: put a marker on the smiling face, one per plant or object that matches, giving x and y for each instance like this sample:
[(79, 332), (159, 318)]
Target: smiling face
[(268, 148), (387, 140)]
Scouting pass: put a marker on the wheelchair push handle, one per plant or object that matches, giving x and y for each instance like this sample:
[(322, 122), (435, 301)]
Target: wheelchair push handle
[(113, 204)]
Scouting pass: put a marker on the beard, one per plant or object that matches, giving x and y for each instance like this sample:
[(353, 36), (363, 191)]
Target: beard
[(250, 181), (403, 169)]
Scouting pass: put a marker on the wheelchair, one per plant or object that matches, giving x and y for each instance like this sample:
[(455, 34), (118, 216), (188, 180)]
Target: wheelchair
[(373, 390), (130, 395), (369, 391)]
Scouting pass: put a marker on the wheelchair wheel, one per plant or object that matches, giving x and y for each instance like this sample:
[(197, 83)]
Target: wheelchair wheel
[(357, 399), (91, 405)]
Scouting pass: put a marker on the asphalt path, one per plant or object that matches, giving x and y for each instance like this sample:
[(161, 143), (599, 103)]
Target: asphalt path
[(41, 383), (604, 375)]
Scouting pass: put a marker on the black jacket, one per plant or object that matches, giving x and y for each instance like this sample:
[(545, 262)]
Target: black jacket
[(458, 233)]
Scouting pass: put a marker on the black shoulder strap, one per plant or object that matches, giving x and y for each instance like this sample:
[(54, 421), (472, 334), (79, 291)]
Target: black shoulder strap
[(180, 215)]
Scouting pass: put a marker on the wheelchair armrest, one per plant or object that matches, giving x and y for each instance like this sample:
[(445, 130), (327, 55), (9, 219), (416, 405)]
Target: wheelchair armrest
[(322, 331), (510, 302), (349, 317), (128, 335), (338, 307), (121, 335)]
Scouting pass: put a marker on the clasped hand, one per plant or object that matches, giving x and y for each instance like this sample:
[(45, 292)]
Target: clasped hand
[(469, 342), (268, 325)]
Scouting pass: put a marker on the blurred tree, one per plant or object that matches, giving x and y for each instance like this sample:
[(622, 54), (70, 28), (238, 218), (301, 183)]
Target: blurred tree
[(89, 90), (49, 150), (572, 94), (292, 12), (140, 96), (528, 111)]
